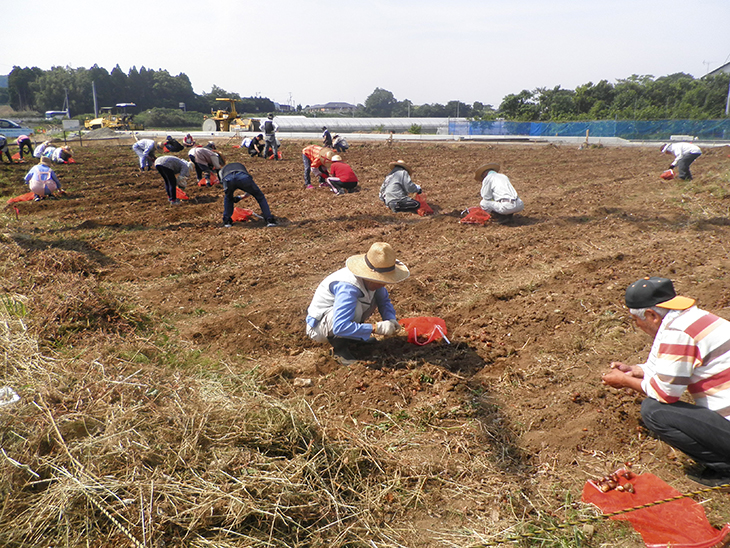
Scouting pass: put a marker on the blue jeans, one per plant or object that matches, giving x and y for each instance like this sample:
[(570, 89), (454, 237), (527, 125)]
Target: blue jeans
[(696, 431), (238, 180)]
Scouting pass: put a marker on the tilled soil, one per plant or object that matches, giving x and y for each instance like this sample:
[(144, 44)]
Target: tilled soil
[(534, 308)]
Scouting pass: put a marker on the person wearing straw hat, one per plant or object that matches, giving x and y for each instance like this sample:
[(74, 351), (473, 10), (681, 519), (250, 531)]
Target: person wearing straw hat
[(61, 155), (42, 180), (315, 159), (340, 144), (397, 187), (690, 353), (345, 299), (499, 197)]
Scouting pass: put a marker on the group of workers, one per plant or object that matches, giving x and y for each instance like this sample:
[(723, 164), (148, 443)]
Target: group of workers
[(57, 155)]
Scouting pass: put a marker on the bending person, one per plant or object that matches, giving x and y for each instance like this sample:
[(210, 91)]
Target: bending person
[(234, 177)]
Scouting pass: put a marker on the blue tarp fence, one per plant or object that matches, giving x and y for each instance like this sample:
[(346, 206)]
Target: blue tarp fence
[(659, 130)]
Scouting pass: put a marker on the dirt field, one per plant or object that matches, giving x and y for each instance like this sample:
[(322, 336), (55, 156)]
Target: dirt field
[(513, 409)]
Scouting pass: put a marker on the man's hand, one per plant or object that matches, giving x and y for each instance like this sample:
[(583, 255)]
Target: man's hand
[(615, 378), (634, 370), (624, 376), (387, 328)]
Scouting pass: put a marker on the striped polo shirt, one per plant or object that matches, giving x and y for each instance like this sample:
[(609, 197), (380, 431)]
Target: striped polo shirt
[(691, 351)]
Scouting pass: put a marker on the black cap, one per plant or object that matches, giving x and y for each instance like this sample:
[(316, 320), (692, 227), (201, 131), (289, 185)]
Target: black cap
[(655, 291)]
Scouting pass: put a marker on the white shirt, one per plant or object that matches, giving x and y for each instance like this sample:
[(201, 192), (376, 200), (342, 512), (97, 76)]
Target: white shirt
[(496, 186), (681, 149)]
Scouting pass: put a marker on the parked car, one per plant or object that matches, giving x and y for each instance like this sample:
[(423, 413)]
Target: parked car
[(11, 129)]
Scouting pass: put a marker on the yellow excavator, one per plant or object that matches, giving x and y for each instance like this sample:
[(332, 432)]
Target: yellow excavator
[(115, 117), (227, 119)]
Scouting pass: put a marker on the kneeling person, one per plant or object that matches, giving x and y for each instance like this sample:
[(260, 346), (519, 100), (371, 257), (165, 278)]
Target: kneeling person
[(499, 197), (345, 299), (397, 187)]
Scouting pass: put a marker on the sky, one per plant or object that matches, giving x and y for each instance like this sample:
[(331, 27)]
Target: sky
[(304, 52)]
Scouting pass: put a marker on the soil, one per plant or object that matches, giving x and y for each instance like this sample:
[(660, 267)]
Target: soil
[(534, 308)]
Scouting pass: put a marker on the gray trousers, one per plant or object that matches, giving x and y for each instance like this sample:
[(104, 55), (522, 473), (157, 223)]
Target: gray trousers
[(683, 166), (272, 145)]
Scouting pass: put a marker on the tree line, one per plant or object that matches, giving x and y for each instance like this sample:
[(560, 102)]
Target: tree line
[(42, 90), (675, 97)]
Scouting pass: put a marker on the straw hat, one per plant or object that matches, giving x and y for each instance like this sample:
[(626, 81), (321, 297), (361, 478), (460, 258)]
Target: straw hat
[(326, 154), (400, 163), (46, 161), (481, 170), (378, 265)]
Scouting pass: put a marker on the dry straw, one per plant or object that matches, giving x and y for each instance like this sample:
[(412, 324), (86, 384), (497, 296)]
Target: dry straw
[(114, 454)]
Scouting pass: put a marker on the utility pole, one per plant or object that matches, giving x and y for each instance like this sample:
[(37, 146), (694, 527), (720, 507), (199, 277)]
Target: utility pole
[(93, 92)]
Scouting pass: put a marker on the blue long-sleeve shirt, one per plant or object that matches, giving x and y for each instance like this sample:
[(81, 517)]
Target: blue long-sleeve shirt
[(343, 321)]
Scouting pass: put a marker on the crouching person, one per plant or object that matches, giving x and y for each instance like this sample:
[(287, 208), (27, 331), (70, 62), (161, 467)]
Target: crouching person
[(42, 180), (689, 356), (395, 190), (234, 177), (345, 299), (499, 197)]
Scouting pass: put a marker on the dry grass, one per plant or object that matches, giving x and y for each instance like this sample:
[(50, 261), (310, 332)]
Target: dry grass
[(96, 454)]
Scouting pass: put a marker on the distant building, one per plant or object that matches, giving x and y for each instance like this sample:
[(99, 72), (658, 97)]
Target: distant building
[(332, 108), (723, 69), (283, 108)]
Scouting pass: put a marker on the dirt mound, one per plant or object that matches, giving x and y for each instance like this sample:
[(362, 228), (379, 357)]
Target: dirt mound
[(101, 133)]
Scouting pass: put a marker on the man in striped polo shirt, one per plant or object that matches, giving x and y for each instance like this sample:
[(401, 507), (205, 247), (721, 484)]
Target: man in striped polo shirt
[(691, 352)]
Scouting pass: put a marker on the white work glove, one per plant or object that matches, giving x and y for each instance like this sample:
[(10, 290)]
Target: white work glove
[(387, 328)]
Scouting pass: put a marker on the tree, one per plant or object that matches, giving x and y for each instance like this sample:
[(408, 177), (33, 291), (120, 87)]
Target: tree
[(380, 103), (520, 107), (593, 99), (458, 109), (480, 111), (556, 103), (19, 87)]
